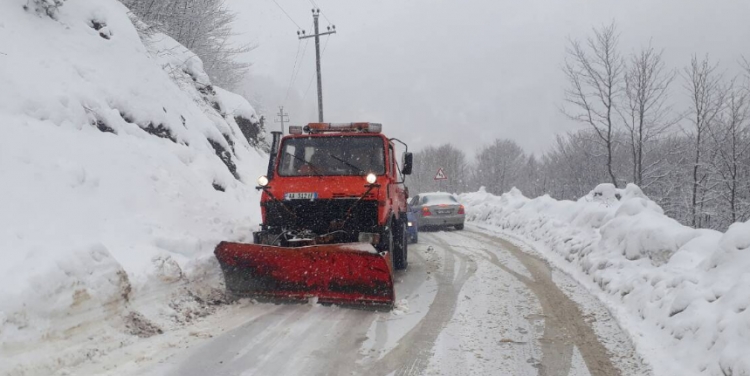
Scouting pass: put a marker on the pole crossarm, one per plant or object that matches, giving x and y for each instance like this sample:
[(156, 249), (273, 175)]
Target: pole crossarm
[(317, 35), (283, 117), (301, 34)]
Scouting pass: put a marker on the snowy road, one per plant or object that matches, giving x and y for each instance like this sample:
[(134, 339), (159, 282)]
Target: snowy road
[(470, 304)]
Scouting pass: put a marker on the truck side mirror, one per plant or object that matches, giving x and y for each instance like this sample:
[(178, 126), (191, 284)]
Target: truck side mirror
[(408, 160)]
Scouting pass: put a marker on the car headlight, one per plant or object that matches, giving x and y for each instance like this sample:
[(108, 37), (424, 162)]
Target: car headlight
[(409, 224), (263, 181), (371, 178)]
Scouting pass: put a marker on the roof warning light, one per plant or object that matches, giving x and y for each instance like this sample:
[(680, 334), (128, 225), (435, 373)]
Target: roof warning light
[(363, 127)]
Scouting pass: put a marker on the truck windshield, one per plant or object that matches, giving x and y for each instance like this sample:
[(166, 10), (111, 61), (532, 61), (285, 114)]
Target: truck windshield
[(333, 155)]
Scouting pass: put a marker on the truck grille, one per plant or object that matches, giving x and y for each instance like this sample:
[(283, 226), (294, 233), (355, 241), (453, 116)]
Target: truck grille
[(317, 215)]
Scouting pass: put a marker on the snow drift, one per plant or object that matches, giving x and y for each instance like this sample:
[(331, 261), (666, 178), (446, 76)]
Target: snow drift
[(121, 167), (682, 293)]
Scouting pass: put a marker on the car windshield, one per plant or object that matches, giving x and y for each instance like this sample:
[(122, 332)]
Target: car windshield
[(332, 156)]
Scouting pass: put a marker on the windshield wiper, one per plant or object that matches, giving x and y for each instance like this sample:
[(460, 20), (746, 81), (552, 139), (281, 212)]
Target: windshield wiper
[(361, 171), (314, 169)]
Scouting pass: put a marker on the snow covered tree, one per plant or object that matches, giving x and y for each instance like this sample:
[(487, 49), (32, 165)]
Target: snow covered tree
[(204, 27), (47, 7)]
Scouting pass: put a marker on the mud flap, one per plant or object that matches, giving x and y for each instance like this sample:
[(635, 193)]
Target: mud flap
[(347, 274)]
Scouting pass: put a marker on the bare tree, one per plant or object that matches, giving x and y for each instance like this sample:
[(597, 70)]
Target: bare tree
[(730, 136), (499, 166), (646, 113), (573, 164), (703, 84), (532, 181), (595, 78), (446, 157)]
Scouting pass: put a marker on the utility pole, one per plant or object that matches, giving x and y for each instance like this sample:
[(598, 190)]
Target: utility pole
[(283, 117), (317, 35)]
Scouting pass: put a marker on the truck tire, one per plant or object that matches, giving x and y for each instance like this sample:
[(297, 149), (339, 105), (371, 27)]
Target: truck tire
[(400, 245), (386, 241)]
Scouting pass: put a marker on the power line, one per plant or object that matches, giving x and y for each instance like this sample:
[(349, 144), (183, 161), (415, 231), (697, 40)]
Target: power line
[(294, 68), (304, 50), (287, 14)]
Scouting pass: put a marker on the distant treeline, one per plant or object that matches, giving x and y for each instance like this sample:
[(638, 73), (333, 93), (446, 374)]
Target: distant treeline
[(694, 161)]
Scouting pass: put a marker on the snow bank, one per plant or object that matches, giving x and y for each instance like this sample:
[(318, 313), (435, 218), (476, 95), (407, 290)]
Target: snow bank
[(682, 293), (121, 167)]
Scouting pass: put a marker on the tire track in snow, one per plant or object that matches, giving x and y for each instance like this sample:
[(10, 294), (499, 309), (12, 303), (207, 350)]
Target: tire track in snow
[(291, 340), (320, 343), (564, 324), (416, 346), (229, 351), (515, 346)]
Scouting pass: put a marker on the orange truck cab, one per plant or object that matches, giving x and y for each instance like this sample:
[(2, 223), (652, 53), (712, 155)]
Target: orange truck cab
[(333, 183)]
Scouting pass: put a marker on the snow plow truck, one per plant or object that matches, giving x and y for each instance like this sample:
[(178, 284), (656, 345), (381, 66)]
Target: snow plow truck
[(333, 207)]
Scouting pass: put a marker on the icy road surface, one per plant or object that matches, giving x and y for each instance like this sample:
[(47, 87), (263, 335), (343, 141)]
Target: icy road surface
[(469, 304)]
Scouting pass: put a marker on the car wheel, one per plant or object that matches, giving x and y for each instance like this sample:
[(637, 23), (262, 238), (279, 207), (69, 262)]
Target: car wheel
[(460, 227)]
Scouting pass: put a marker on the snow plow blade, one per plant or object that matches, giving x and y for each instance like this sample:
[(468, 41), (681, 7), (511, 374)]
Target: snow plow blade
[(347, 274)]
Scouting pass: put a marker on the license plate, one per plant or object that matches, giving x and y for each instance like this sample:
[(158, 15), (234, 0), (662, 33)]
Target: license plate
[(448, 211), (300, 196)]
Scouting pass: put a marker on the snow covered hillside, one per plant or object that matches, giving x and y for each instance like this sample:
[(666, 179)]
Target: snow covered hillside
[(682, 293), (121, 167)]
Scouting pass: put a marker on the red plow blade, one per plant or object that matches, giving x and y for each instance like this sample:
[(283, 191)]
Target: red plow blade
[(349, 274)]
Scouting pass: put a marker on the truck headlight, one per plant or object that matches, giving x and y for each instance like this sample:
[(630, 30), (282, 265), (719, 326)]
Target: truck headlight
[(371, 178), (263, 181)]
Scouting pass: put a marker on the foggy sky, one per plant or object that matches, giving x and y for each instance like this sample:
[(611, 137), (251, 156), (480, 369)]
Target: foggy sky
[(469, 71)]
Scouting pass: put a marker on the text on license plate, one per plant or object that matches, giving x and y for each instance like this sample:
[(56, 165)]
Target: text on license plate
[(300, 196), (448, 211)]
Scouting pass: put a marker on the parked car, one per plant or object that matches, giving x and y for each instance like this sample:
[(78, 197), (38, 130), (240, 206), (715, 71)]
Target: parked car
[(412, 227), (437, 209)]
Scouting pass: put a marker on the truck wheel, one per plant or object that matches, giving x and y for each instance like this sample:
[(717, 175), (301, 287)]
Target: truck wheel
[(387, 243), (400, 246)]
